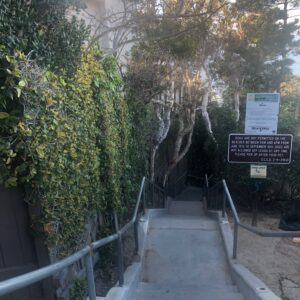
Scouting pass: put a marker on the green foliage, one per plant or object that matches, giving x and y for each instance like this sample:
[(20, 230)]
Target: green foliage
[(43, 29), (261, 46), (289, 122), (113, 138), (141, 120), (67, 140), (166, 33), (77, 291), (144, 79), (282, 183), (180, 29), (206, 155)]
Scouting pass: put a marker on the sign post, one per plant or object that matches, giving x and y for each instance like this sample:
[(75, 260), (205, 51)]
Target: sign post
[(262, 112), (260, 149), (260, 145), (258, 171)]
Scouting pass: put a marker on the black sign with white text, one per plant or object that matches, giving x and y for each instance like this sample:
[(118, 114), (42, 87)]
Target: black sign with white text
[(264, 149)]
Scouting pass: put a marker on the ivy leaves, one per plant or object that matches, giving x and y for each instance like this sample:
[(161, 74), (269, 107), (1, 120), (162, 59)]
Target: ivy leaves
[(43, 30), (3, 115), (69, 142)]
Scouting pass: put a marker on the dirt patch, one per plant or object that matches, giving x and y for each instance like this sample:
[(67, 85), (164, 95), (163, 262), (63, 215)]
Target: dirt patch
[(276, 261)]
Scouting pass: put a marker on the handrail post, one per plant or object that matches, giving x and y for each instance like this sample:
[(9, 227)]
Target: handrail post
[(159, 197), (136, 235), (235, 239), (120, 260), (215, 198), (207, 197), (144, 198), (205, 194), (90, 276), (120, 252), (224, 204), (164, 197), (153, 193)]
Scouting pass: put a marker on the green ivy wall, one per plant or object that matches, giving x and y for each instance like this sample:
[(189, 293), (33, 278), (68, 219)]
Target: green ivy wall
[(70, 141)]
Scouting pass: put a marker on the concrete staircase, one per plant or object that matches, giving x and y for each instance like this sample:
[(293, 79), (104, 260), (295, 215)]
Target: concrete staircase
[(184, 256)]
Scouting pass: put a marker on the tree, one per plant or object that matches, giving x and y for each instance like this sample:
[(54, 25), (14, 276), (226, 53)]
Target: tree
[(146, 83), (183, 34), (144, 20), (255, 46), (188, 32), (185, 115)]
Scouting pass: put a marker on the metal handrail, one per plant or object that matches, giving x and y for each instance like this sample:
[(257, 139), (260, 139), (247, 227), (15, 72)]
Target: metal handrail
[(156, 185), (206, 180), (21, 281), (261, 232)]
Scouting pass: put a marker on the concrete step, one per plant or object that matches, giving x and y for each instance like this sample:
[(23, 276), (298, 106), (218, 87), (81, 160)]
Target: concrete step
[(190, 208), (220, 287), (190, 194), (186, 249), (158, 292), (184, 257), (184, 222)]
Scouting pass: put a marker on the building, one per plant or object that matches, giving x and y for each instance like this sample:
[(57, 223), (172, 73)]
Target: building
[(109, 25)]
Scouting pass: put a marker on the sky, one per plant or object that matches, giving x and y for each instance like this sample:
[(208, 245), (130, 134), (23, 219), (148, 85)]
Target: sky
[(296, 65)]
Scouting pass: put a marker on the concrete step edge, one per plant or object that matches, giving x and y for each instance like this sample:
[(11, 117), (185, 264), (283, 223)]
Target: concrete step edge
[(151, 285), (169, 295)]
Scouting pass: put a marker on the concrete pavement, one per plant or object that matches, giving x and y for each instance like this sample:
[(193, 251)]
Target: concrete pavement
[(184, 256)]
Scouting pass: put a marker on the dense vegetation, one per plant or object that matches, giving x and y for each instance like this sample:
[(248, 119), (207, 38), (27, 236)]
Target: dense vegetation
[(67, 134)]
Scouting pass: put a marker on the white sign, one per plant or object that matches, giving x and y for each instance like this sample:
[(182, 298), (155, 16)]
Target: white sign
[(262, 113), (258, 171)]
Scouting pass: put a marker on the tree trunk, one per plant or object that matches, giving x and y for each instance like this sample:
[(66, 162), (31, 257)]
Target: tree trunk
[(205, 115), (237, 105), (205, 101), (163, 115), (152, 163), (182, 133), (179, 158)]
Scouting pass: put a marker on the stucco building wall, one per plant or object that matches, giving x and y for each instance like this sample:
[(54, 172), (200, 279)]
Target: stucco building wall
[(101, 13)]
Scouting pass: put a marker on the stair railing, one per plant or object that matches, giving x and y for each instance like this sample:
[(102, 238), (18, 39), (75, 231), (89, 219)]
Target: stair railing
[(218, 196), (21, 281)]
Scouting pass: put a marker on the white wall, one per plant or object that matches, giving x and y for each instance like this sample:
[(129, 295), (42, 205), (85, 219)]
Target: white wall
[(96, 11)]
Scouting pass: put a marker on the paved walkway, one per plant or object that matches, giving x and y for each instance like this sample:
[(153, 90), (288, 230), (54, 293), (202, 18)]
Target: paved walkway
[(184, 257)]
